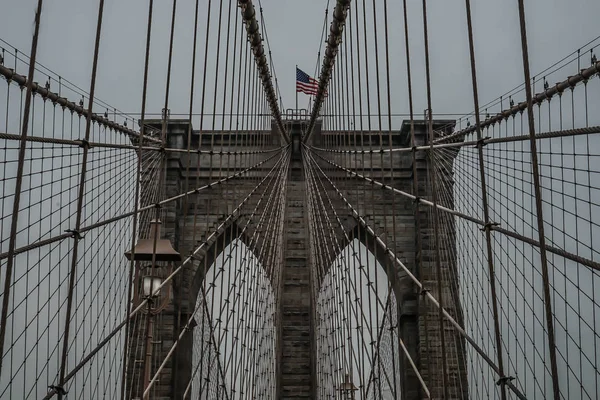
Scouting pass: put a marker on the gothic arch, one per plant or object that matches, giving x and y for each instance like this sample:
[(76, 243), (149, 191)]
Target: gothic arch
[(186, 292), (239, 295), (406, 300), (228, 235), (401, 284)]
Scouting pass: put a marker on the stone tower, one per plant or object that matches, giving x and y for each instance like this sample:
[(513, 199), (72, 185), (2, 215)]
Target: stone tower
[(295, 339)]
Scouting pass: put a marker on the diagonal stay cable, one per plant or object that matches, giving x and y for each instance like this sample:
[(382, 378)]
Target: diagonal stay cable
[(193, 256), (588, 130), (140, 210), (143, 303), (574, 257), (251, 247), (418, 283)]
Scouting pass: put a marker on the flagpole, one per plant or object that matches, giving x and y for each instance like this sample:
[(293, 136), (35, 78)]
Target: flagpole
[(296, 90)]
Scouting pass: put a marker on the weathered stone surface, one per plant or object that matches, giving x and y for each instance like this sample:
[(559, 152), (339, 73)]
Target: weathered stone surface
[(296, 316), (418, 321)]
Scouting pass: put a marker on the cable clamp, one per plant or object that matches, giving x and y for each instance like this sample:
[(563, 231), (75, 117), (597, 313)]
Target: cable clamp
[(488, 226), (504, 380), (417, 200), (481, 142), (157, 206), (424, 291), (58, 389), (75, 234), (84, 144)]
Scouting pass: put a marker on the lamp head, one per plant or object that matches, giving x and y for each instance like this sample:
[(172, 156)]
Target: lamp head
[(151, 286), (154, 248)]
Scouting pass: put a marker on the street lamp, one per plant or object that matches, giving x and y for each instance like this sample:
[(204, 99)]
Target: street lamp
[(152, 255), (347, 388), (154, 248)]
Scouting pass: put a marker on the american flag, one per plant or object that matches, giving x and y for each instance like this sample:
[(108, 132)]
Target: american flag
[(306, 84)]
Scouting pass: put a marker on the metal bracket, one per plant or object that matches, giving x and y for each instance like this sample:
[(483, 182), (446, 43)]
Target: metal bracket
[(489, 226), (58, 389), (75, 234), (504, 380), (84, 144), (481, 142)]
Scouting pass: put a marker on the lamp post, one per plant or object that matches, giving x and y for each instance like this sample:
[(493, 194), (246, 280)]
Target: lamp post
[(151, 289), (347, 388), (157, 255)]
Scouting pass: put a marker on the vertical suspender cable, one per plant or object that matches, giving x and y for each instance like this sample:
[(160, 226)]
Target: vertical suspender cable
[(19, 183), (535, 170), (438, 260), (486, 211), (80, 198), (253, 30), (333, 42)]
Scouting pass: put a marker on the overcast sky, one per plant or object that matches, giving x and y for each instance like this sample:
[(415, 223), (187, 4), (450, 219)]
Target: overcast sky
[(555, 27)]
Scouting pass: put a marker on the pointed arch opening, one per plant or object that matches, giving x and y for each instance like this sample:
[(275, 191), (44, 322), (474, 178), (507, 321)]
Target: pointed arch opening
[(233, 340), (357, 326)]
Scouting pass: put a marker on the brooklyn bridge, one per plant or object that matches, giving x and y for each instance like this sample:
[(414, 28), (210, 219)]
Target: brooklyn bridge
[(423, 222)]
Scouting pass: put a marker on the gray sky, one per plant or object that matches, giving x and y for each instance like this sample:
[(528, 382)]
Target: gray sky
[(555, 27)]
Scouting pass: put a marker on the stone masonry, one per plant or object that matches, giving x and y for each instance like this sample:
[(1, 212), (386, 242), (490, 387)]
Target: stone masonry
[(418, 323), (296, 318)]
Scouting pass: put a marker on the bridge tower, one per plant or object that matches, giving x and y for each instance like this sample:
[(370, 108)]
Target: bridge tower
[(413, 241), (296, 348)]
